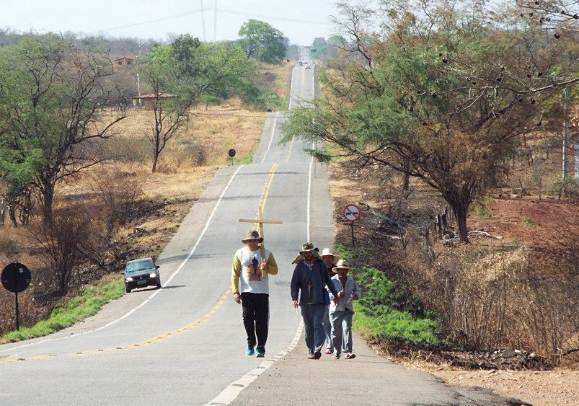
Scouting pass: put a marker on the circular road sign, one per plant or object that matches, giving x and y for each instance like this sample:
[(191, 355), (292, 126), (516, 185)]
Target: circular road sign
[(16, 277), (232, 153), (352, 212)]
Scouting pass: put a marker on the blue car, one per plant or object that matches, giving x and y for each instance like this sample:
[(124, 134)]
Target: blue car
[(141, 273)]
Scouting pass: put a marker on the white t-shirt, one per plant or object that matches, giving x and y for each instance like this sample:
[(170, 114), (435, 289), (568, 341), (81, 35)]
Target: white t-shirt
[(252, 282)]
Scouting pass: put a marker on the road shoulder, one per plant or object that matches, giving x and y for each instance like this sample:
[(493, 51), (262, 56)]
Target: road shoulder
[(369, 379)]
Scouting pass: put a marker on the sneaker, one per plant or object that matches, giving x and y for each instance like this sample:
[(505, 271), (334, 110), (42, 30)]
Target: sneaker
[(329, 351), (350, 356), (317, 355), (250, 351), (260, 352)]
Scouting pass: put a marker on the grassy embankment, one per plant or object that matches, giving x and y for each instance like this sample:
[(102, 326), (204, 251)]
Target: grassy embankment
[(384, 312), (74, 309)]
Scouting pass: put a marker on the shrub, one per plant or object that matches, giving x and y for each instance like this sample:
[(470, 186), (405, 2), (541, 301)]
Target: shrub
[(118, 193), (566, 188)]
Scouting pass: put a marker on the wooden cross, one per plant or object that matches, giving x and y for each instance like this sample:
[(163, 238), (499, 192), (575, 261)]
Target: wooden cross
[(260, 222)]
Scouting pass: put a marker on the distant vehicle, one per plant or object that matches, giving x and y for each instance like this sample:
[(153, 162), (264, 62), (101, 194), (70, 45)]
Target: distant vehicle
[(141, 273), (308, 66), (300, 63)]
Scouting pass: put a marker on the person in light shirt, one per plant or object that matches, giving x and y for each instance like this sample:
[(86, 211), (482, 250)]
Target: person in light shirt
[(252, 266), (342, 310)]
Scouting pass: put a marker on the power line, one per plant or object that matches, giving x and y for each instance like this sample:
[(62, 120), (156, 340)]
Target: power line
[(216, 10), (271, 17), (170, 17)]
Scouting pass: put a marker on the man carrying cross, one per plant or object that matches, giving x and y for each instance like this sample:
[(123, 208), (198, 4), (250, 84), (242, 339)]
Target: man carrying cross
[(252, 265)]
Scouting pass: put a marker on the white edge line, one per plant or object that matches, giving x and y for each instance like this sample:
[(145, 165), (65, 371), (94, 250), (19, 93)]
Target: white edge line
[(230, 393), (274, 128), (291, 87), (309, 203), (134, 309)]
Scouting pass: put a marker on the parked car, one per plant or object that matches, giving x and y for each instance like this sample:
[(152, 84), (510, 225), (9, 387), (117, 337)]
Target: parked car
[(141, 273)]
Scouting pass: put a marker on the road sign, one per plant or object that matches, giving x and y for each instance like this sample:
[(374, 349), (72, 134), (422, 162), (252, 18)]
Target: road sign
[(16, 277), (352, 212), (232, 153)]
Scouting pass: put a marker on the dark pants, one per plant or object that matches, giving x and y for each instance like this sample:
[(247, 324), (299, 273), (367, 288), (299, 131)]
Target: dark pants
[(313, 315), (255, 318)]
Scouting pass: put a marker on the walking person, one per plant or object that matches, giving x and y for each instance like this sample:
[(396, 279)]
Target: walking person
[(250, 272), (342, 312), (308, 284), (329, 260)]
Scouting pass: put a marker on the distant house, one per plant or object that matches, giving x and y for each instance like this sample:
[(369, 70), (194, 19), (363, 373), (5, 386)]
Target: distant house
[(148, 100), (124, 61)]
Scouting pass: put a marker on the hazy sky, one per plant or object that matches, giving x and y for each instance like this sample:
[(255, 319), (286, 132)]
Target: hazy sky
[(300, 20)]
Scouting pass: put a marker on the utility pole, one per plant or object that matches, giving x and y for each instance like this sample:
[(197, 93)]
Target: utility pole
[(215, 21), (565, 138), (140, 44), (203, 20)]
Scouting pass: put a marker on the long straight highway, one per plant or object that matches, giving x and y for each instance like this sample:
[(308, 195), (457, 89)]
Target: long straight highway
[(184, 344)]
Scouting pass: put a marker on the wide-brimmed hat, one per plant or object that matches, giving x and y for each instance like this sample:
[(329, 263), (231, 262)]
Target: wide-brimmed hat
[(341, 264), (307, 247), (252, 235), (326, 252)]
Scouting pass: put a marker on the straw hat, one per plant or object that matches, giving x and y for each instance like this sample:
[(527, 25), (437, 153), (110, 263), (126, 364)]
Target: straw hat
[(252, 235), (341, 265), (307, 247)]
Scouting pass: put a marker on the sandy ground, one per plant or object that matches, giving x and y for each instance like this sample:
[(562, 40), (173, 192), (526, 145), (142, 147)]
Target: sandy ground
[(540, 388)]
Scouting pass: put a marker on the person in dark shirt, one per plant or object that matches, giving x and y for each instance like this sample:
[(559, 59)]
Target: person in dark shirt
[(308, 290)]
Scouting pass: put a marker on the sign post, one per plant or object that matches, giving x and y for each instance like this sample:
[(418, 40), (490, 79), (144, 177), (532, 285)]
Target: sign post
[(232, 152), (352, 214), (16, 278)]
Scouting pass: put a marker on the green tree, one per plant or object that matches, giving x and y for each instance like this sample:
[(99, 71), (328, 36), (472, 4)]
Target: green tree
[(174, 92), (50, 105), (263, 42)]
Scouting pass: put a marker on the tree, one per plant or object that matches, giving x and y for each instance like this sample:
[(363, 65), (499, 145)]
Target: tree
[(173, 74), (442, 96), (319, 47), (263, 42), (50, 105)]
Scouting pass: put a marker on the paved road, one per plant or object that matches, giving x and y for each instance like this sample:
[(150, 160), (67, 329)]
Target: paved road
[(183, 344)]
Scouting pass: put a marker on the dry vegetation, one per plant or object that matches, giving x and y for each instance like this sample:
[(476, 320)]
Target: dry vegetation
[(139, 211), (518, 291)]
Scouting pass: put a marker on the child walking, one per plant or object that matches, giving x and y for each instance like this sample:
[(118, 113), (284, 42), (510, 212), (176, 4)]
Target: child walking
[(342, 313)]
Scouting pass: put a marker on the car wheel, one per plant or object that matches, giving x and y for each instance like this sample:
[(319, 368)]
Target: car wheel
[(127, 289), (159, 283)]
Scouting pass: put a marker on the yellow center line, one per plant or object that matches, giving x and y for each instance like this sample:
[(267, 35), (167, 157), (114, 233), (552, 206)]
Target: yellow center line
[(266, 190)]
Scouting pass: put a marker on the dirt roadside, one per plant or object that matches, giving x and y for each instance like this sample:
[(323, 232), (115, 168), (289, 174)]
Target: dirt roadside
[(545, 388)]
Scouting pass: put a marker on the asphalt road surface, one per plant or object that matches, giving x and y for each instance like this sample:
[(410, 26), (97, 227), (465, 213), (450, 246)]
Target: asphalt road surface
[(184, 344)]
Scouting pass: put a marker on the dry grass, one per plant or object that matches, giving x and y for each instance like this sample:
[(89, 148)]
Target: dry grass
[(544, 388)]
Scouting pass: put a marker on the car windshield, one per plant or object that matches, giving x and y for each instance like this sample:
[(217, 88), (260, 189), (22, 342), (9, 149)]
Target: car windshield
[(138, 266)]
